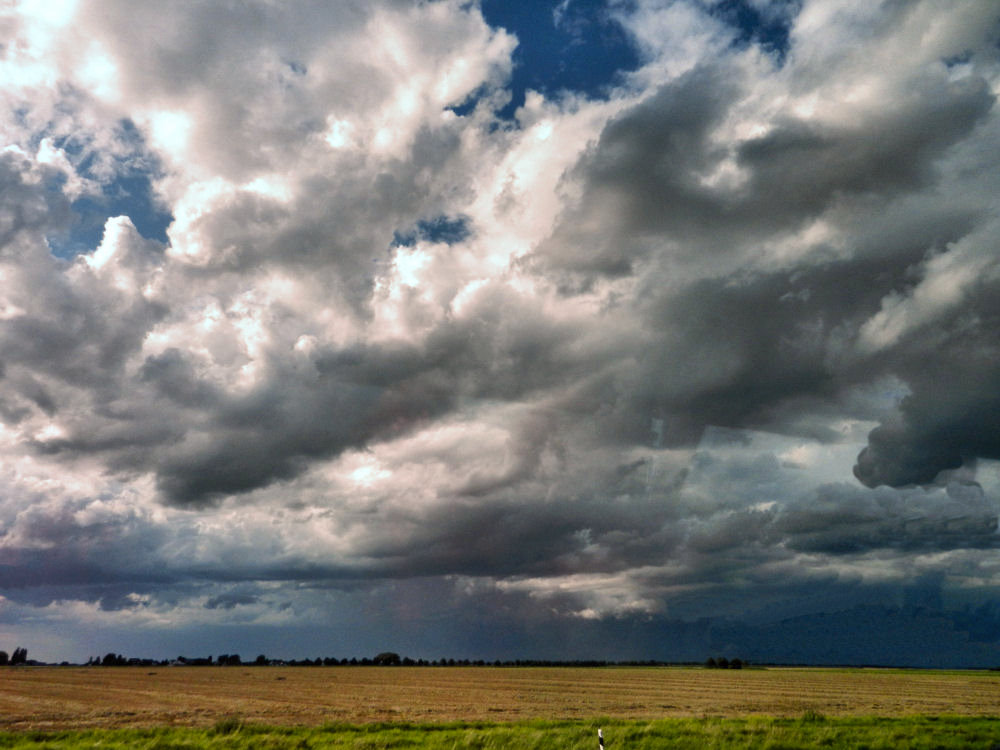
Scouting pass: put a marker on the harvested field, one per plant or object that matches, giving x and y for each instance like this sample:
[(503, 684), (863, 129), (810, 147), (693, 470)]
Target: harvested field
[(102, 697)]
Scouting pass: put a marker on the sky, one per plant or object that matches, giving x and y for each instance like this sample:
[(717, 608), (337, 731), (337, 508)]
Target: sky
[(636, 329)]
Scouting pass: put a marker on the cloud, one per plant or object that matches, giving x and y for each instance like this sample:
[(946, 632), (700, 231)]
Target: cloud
[(231, 600), (944, 320), (354, 328)]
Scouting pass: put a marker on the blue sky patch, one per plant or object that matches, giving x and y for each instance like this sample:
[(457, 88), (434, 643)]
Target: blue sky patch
[(573, 46), (770, 32), (447, 229), (129, 193)]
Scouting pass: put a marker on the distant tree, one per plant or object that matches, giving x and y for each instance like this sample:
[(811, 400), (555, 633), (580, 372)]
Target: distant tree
[(387, 659), (723, 662), (4, 658), (736, 663), (195, 662), (261, 660), (711, 663), (20, 656)]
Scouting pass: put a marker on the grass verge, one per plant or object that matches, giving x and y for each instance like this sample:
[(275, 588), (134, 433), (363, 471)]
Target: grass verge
[(809, 731)]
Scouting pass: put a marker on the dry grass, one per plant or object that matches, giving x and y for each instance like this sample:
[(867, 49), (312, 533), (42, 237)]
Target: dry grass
[(73, 698)]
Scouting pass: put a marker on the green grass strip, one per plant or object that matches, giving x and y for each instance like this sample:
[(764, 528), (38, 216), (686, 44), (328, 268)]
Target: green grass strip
[(812, 730)]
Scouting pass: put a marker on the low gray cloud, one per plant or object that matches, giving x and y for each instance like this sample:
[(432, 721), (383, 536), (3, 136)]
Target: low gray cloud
[(843, 519), (231, 600)]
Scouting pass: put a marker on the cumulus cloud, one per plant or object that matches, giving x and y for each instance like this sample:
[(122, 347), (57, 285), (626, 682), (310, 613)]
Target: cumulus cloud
[(349, 327)]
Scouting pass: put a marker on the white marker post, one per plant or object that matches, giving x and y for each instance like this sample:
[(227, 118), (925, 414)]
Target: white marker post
[(600, 738)]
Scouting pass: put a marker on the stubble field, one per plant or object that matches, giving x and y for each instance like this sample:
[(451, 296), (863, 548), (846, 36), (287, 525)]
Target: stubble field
[(60, 698)]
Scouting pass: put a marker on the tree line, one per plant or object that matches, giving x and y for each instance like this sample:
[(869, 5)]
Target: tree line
[(392, 659), (382, 659), (723, 663), (20, 656)]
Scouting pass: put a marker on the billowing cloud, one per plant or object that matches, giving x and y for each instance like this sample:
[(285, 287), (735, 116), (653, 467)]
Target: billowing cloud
[(304, 325)]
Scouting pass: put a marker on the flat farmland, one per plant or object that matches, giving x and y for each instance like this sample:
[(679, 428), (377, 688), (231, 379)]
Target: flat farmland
[(53, 698)]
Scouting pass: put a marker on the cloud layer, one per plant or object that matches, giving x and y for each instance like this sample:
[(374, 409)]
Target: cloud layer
[(716, 340)]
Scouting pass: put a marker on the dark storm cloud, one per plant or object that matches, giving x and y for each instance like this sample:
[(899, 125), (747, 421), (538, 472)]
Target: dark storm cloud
[(949, 418), (640, 177), (734, 350), (275, 440), (81, 542), (516, 537), (758, 351), (349, 398)]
